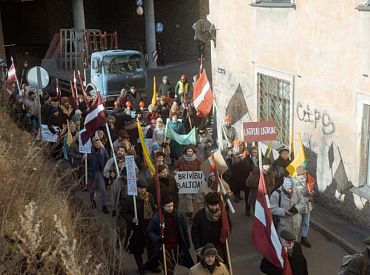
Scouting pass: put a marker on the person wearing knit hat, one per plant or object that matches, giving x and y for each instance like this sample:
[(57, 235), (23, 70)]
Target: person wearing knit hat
[(136, 235), (210, 262), (166, 88), (280, 165), (297, 260), (182, 88), (207, 225), (286, 205), (189, 161), (359, 263), (175, 239), (168, 185)]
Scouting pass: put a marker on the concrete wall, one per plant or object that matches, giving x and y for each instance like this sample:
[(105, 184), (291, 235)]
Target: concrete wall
[(323, 48), (2, 48)]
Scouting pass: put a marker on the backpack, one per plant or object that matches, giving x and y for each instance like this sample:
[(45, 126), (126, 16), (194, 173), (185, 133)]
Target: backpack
[(347, 262), (275, 218)]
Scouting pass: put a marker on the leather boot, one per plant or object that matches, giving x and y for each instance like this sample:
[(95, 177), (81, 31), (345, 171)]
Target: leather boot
[(305, 242)]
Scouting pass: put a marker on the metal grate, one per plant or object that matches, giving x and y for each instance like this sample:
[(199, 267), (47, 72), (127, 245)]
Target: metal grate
[(274, 104)]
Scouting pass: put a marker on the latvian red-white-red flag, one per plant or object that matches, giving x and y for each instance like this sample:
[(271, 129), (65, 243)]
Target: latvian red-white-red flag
[(12, 76), (202, 95), (264, 236), (94, 119)]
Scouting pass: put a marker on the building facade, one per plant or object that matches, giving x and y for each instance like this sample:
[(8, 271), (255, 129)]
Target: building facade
[(305, 65)]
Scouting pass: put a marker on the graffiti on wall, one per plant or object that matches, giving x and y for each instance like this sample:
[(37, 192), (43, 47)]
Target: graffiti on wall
[(306, 113)]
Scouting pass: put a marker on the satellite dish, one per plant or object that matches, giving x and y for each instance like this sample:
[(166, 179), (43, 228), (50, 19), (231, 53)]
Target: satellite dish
[(38, 77), (204, 31)]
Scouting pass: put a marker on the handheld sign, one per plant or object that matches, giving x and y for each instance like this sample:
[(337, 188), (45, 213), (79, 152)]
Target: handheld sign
[(47, 135), (189, 182), (259, 131), (131, 176), (84, 148)]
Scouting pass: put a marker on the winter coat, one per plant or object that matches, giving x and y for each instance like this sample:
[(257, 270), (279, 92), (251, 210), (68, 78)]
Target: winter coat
[(182, 88), (96, 162), (230, 132), (360, 265), (253, 181), (240, 171), (159, 135), (204, 231), (164, 112), (297, 262), (184, 163), (184, 242), (280, 171), (75, 156), (169, 187), (291, 223), (166, 90), (135, 236), (33, 107), (300, 185), (198, 269)]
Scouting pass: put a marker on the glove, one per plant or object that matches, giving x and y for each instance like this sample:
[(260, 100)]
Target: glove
[(160, 241), (293, 210), (114, 213)]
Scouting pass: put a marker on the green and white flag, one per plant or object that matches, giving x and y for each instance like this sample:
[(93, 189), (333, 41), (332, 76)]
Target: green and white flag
[(188, 139)]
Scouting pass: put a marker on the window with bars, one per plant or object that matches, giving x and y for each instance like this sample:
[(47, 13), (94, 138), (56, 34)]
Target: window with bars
[(274, 103)]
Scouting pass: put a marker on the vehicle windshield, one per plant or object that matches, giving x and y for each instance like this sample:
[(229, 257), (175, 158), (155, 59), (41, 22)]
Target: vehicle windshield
[(123, 64)]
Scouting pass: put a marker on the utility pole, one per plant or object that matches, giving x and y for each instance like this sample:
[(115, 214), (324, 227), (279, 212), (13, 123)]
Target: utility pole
[(150, 31), (78, 14)]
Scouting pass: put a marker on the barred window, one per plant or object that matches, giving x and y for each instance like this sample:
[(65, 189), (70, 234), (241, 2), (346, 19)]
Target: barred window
[(274, 104)]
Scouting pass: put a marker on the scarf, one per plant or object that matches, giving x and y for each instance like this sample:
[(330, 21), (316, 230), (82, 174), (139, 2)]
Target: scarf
[(213, 217), (148, 210), (187, 158), (210, 268)]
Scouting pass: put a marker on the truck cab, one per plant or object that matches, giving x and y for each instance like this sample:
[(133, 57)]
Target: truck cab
[(113, 70)]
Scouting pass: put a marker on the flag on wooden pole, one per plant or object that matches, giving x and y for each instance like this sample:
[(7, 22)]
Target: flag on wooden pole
[(202, 95), (155, 93), (12, 76), (94, 119), (146, 153), (299, 160), (75, 102), (264, 236)]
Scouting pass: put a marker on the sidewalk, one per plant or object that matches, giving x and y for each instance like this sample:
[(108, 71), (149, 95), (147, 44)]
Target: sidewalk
[(350, 237)]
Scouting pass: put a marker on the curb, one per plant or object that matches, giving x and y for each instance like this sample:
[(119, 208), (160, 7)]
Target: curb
[(332, 236)]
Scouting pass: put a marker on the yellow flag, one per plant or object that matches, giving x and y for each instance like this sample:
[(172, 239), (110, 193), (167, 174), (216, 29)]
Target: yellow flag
[(155, 94), (268, 150), (145, 149), (69, 135), (299, 160)]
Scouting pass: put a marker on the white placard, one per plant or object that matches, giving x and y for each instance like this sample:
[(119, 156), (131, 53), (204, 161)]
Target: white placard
[(84, 148), (46, 135), (189, 182), (149, 145), (131, 175)]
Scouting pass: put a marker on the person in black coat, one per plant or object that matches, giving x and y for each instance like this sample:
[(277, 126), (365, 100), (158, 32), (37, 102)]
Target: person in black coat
[(166, 88), (280, 165), (207, 224), (136, 237), (175, 239), (296, 258)]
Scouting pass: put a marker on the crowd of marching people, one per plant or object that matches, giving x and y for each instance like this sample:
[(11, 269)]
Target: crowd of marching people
[(168, 127)]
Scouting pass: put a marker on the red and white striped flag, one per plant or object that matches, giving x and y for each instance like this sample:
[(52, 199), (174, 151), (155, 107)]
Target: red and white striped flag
[(264, 236), (12, 75), (94, 119), (202, 95)]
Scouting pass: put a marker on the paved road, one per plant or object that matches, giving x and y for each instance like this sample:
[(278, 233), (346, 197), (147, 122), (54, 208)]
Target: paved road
[(324, 258)]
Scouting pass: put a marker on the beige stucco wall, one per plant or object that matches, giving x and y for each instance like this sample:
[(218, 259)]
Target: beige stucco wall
[(324, 46)]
